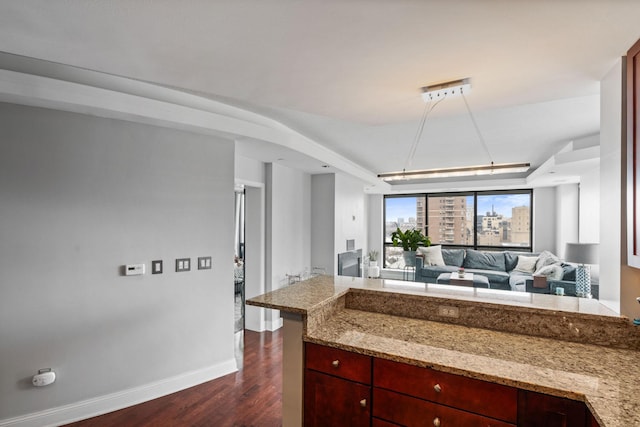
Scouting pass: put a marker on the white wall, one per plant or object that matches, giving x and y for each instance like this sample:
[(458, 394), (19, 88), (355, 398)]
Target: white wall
[(338, 214), (254, 261), (350, 214), (288, 237), (589, 231), (567, 216), (248, 171), (374, 224), (610, 179), (544, 219), (81, 197), (323, 218)]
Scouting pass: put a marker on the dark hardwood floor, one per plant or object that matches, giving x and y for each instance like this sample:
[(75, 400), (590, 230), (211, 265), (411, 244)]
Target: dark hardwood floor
[(250, 397)]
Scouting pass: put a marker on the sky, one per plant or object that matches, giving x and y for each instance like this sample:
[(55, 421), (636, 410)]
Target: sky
[(405, 207), (502, 203)]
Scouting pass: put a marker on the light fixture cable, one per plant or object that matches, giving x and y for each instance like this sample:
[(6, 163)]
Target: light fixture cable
[(475, 125), (428, 108)]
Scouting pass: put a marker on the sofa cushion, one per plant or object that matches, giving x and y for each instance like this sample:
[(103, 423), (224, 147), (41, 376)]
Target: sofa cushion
[(526, 264), (546, 258), (518, 278), (485, 260), (453, 257), (551, 272), (498, 279), (434, 271), (432, 255)]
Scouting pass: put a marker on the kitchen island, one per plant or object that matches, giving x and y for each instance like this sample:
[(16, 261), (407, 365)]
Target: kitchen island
[(564, 347)]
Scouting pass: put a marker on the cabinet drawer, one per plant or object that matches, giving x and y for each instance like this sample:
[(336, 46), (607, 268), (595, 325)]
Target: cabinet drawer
[(481, 397), (409, 411), (377, 422), (343, 364), (332, 401)]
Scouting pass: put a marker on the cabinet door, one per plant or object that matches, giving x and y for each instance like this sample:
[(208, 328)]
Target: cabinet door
[(331, 401), (541, 410)]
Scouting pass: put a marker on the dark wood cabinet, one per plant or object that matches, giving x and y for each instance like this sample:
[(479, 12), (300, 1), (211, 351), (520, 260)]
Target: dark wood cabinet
[(340, 363), (332, 401), (344, 388), (410, 411), (542, 410), (480, 397), (337, 390)]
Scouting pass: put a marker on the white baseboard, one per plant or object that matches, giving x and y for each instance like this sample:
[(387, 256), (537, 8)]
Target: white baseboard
[(274, 325), (119, 400)]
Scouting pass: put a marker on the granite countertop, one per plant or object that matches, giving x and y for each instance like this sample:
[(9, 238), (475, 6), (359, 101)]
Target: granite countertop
[(360, 315)]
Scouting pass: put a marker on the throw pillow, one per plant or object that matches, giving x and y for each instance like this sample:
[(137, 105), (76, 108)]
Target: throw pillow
[(432, 255), (526, 264), (481, 260), (551, 272), (546, 258)]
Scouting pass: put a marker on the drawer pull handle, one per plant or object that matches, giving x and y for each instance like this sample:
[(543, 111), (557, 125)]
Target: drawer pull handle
[(436, 422), (335, 363), (363, 403), (437, 388)]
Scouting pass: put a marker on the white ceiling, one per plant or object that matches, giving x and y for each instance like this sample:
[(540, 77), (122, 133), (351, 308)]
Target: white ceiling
[(347, 73)]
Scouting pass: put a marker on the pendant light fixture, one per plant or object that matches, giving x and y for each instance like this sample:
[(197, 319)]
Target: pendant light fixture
[(438, 93)]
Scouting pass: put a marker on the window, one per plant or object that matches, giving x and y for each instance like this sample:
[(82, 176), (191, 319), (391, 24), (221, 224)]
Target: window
[(485, 220), (405, 213), (504, 219)]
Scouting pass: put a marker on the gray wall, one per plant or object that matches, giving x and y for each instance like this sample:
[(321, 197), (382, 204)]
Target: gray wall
[(82, 196), (544, 219), (323, 218), (350, 213)]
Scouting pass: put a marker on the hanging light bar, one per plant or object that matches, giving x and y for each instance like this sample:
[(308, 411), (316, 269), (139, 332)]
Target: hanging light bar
[(492, 169), (446, 89)]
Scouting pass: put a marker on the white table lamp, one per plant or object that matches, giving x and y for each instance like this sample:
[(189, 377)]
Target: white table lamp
[(582, 254)]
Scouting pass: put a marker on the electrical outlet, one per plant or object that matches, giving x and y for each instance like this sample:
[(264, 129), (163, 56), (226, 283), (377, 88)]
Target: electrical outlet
[(448, 311)]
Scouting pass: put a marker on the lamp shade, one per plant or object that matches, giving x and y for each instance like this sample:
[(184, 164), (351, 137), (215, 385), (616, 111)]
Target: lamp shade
[(582, 253)]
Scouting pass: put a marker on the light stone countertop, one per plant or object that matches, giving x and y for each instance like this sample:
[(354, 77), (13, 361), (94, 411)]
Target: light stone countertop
[(378, 318)]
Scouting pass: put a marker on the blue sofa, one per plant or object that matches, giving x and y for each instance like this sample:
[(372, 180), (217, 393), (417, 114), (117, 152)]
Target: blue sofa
[(499, 268)]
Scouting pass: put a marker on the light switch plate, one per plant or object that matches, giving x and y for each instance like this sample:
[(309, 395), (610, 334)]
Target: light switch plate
[(183, 264), (204, 263), (156, 267)]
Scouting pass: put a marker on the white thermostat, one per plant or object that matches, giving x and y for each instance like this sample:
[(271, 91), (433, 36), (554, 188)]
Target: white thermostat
[(134, 269)]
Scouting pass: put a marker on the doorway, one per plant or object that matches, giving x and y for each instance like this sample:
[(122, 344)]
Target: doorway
[(239, 261)]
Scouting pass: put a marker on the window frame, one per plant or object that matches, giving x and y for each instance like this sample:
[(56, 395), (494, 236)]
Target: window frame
[(475, 195)]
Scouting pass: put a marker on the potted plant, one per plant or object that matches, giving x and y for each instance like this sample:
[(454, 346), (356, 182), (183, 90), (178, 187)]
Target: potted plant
[(410, 240), (373, 258)]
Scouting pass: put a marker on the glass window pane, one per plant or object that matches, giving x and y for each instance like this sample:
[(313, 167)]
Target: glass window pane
[(405, 213), (504, 219), (451, 219)]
